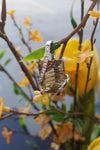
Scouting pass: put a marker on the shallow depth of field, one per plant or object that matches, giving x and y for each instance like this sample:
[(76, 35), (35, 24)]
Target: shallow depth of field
[(74, 113)]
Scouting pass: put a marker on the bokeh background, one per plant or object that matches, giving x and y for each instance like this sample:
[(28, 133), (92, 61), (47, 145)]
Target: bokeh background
[(52, 19)]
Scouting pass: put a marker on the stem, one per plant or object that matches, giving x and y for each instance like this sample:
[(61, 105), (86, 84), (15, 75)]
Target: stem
[(81, 31), (63, 48), (83, 22), (30, 92), (53, 129), (77, 69), (58, 110), (92, 36), (80, 42), (22, 36), (13, 50), (17, 131), (89, 65), (11, 78)]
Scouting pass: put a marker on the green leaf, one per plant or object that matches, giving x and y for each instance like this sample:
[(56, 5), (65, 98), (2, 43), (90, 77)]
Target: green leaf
[(20, 99), (49, 105), (15, 89), (2, 53), (57, 117), (32, 145), (18, 91), (77, 124), (64, 107), (71, 108), (88, 123), (60, 125), (95, 132), (70, 88), (22, 123), (42, 105), (77, 97), (54, 46), (80, 121), (73, 22), (20, 32), (78, 101), (7, 62), (39, 53)]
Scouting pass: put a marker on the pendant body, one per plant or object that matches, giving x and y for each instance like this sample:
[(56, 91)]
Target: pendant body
[(54, 76)]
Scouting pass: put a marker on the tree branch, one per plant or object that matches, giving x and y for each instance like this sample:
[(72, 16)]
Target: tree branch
[(82, 24), (11, 78), (89, 65), (23, 67), (53, 109)]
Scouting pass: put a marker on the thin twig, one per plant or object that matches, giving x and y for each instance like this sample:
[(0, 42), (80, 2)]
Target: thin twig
[(30, 92), (6, 116), (18, 131), (11, 46), (53, 129), (58, 110), (81, 31), (12, 79), (76, 81), (23, 67), (77, 69), (89, 65), (22, 36), (94, 30), (83, 22)]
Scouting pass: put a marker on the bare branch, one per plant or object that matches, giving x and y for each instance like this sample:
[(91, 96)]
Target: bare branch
[(3, 12), (82, 24)]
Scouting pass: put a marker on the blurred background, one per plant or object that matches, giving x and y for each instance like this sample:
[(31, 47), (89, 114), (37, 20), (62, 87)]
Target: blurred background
[(52, 19)]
